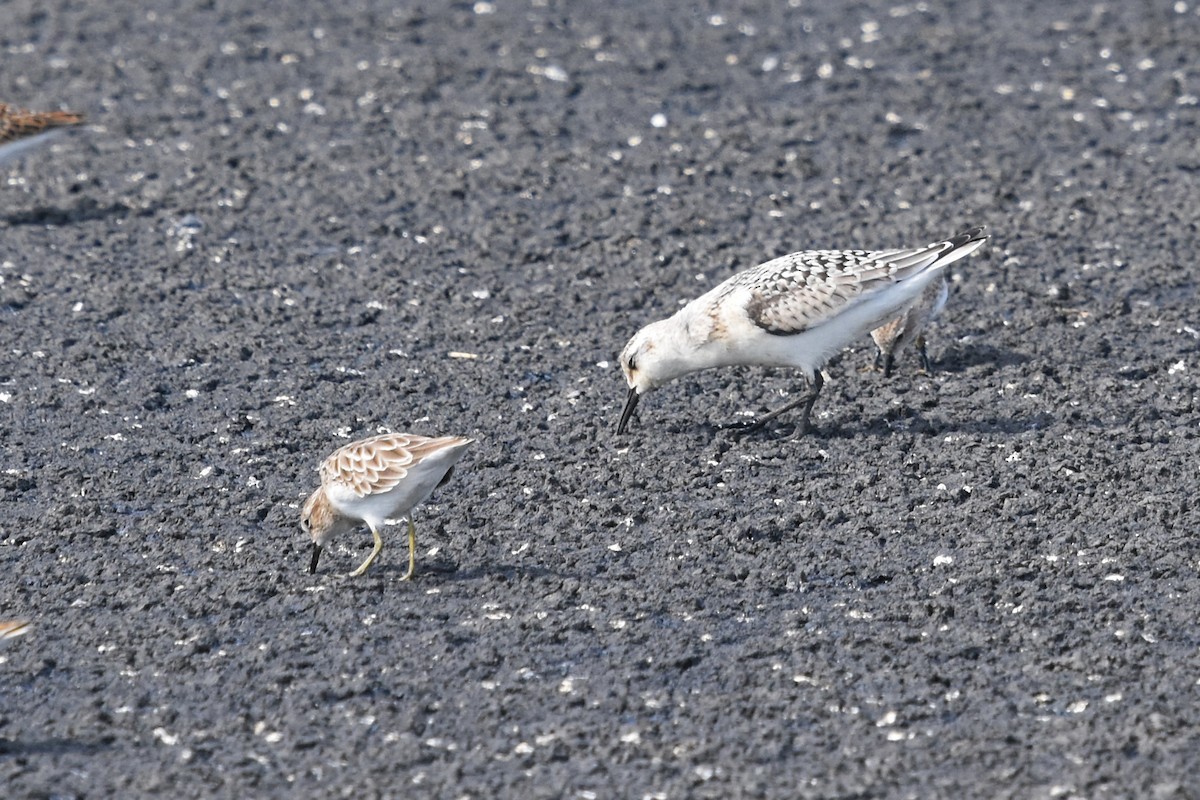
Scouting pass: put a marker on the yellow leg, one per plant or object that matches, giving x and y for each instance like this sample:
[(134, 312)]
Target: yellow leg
[(412, 550), (371, 558)]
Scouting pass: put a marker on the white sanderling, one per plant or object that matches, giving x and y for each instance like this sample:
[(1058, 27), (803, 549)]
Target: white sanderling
[(794, 311), (376, 479), (894, 336), (13, 629), (22, 130)]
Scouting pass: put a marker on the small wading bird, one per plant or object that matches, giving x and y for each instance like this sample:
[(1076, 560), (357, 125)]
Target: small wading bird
[(372, 480), (910, 326), (22, 130), (794, 311), (11, 630)]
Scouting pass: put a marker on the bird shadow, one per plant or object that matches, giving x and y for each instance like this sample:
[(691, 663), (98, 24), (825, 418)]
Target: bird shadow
[(915, 423), (448, 572), (954, 360), (506, 571), (52, 747), (882, 427), (957, 359), (85, 209)]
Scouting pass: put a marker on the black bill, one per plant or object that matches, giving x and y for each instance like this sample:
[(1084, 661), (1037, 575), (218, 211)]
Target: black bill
[(312, 567), (630, 404)]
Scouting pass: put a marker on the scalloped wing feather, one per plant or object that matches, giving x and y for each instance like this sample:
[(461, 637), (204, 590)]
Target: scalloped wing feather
[(380, 463)]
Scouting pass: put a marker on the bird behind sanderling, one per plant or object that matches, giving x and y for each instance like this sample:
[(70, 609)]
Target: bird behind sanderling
[(794, 311), (376, 479), (22, 130), (13, 629), (892, 337)]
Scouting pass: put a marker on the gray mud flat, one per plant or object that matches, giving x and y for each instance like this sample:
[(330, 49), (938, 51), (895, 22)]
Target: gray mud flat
[(976, 583)]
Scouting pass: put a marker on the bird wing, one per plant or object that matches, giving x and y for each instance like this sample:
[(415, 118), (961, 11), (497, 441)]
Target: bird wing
[(372, 465), (10, 630), (796, 292), (800, 291), (17, 123), (380, 463)]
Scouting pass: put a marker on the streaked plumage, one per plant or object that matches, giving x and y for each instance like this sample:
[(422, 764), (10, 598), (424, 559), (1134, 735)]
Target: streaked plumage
[(892, 337), (795, 311), (376, 479), (22, 130)]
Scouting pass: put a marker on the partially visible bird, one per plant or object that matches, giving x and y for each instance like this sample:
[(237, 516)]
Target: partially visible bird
[(376, 479), (894, 336), (22, 130), (794, 311), (13, 629)]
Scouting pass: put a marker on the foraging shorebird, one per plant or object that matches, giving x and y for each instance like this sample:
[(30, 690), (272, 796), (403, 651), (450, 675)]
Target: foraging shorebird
[(376, 479), (22, 130), (794, 311), (892, 337)]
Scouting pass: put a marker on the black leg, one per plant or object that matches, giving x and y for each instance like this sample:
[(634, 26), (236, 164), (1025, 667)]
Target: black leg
[(817, 382), (888, 361), (814, 389), (925, 365)]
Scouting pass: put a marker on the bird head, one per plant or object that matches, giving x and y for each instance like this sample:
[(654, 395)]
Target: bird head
[(653, 356), (321, 522)]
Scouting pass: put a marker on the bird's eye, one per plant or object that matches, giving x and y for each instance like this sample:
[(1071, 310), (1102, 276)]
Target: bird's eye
[(304, 524), (631, 363)]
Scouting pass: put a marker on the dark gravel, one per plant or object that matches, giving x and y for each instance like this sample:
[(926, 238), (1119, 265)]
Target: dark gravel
[(285, 218)]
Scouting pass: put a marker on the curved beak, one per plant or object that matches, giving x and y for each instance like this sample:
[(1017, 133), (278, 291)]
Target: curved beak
[(630, 404), (312, 567)]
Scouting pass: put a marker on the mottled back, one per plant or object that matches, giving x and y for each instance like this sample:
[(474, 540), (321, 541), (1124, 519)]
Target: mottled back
[(796, 292), (378, 464), (17, 123)]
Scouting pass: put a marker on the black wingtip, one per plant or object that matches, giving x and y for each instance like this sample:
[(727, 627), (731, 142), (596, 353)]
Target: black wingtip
[(975, 234)]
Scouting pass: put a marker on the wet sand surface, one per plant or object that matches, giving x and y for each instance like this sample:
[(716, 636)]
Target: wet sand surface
[(287, 229)]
